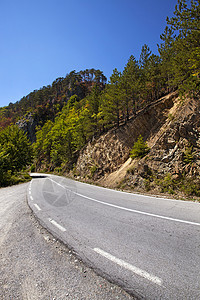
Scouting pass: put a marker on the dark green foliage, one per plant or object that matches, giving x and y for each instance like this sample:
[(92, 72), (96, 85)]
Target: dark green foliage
[(140, 148), (130, 85), (111, 100), (180, 50), (15, 153)]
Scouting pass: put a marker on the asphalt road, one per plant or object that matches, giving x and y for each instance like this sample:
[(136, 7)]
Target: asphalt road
[(150, 246), (36, 266)]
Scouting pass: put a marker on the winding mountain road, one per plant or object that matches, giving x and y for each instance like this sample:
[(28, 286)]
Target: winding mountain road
[(149, 246), (36, 266)]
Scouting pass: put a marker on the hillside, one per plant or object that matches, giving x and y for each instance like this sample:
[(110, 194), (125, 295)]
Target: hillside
[(44, 104), (171, 128)]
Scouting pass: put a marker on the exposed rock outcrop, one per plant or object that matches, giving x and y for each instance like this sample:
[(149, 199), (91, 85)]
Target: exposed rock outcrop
[(173, 163), (28, 125), (171, 127), (106, 154)]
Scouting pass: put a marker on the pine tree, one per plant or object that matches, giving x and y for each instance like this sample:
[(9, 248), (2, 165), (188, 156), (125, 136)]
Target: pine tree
[(130, 85), (140, 148), (144, 63), (111, 100), (182, 46)]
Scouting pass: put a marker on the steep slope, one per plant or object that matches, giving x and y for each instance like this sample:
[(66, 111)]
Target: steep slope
[(171, 128), (111, 150)]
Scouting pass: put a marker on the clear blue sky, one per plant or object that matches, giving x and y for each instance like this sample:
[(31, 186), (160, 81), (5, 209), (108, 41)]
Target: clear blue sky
[(41, 40)]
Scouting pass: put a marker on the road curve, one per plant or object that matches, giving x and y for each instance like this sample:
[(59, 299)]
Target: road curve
[(36, 266), (150, 246)]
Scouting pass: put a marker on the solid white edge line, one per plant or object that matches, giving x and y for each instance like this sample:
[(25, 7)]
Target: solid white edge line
[(37, 206), (61, 186), (139, 212), (156, 197), (57, 225), (56, 183), (133, 210), (129, 267)]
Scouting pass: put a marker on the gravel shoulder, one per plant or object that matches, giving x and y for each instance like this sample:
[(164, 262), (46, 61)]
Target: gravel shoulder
[(34, 265)]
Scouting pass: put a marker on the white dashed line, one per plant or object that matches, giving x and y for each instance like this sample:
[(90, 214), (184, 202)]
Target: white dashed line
[(31, 198), (37, 206), (129, 267), (57, 225)]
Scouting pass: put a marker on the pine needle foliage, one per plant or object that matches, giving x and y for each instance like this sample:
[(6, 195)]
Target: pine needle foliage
[(140, 148)]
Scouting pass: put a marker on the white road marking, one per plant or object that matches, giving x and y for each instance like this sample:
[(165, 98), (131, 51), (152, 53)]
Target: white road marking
[(132, 210), (57, 225), (31, 198), (138, 211), (57, 183), (37, 206), (64, 187), (129, 267), (29, 192), (139, 195)]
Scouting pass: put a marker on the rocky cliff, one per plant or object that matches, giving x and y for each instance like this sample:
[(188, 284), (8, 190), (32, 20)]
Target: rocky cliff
[(173, 163), (171, 127), (111, 150), (28, 125)]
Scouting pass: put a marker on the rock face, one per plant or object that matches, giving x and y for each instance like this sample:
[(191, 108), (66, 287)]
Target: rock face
[(103, 156), (178, 146), (171, 127), (107, 154), (173, 163), (28, 125)]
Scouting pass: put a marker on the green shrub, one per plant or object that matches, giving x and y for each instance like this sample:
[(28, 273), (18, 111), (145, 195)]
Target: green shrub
[(188, 155), (15, 155), (190, 186), (167, 184), (93, 169), (140, 148)]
